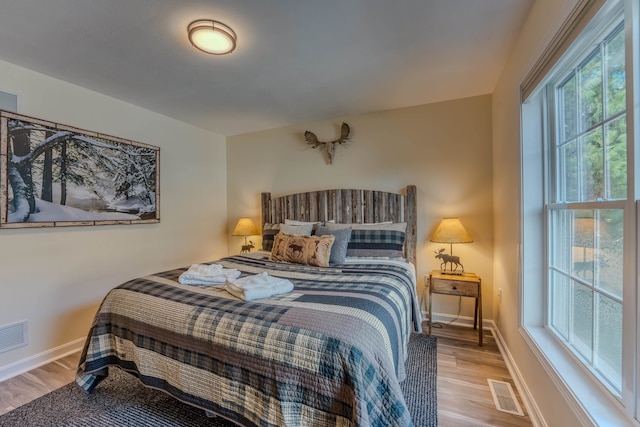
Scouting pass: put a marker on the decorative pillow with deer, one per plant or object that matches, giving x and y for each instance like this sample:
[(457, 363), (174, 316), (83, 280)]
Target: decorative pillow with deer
[(269, 231), (299, 249)]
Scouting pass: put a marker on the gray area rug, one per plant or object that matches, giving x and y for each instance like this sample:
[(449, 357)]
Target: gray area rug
[(121, 400)]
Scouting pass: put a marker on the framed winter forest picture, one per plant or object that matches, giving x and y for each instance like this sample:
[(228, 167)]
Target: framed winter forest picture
[(52, 175)]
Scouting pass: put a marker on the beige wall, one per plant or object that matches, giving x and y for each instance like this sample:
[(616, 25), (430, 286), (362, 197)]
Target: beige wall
[(444, 149), (54, 278), (542, 23)]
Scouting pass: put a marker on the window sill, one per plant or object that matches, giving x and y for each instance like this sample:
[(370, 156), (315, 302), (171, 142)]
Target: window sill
[(590, 401)]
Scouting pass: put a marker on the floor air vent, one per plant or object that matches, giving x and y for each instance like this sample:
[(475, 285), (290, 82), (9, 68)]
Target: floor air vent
[(13, 336), (504, 398)]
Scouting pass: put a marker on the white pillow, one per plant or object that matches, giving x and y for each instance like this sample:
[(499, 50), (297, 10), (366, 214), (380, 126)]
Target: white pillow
[(304, 229), (294, 222)]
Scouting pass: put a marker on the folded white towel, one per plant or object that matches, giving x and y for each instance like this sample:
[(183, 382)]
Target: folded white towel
[(212, 278), (259, 286), (204, 269)]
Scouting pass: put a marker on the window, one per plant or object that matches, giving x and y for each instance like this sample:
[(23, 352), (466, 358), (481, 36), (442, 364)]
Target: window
[(579, 218), (587, 199)]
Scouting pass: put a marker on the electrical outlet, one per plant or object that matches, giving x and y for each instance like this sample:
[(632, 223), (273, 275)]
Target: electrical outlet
[(500, 294)]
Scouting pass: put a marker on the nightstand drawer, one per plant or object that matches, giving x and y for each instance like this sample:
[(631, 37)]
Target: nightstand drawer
[(455, 287)]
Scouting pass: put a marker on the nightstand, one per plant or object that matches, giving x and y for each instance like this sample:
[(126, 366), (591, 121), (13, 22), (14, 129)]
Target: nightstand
[(466, 285)]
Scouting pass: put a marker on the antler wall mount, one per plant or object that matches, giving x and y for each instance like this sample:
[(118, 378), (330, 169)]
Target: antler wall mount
[(330, 146)]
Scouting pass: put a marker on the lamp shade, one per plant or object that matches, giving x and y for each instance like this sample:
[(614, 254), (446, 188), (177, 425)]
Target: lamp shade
[(451, 230), (245, 227)]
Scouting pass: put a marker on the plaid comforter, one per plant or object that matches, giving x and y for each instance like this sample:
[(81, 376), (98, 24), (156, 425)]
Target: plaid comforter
[(331, 353)]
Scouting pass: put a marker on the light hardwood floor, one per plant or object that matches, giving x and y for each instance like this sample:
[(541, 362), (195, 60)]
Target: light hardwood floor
[(26, 387), (464, 398)]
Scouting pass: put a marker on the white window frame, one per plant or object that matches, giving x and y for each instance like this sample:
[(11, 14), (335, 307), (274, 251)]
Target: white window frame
[(592, 402), (623, 205)]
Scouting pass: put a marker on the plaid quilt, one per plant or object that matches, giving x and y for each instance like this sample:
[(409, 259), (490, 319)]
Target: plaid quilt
[(330, 353)]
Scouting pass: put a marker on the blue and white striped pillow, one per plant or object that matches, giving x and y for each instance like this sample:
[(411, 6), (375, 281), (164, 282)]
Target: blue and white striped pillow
[(269, 232), (375, 240)]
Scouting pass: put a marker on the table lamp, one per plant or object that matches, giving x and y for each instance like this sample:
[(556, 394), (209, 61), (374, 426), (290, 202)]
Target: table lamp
[(245, 227), (450, 230)]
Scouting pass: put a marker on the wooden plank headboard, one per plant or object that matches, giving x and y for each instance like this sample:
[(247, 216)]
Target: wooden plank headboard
[(347, 206)]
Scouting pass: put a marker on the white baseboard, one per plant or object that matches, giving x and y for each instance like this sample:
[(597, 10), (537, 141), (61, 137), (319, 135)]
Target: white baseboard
[(535, 415), (37, 360)]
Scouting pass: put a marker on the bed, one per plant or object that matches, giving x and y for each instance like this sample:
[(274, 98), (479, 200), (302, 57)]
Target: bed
[(329, 353)]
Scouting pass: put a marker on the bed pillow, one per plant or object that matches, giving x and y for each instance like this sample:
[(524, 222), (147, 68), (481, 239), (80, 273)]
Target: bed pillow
[(375, 240), (339, 248), (314, 224), (269, 231), (304, 229), (294, 222), (402, 226), (301, 249)]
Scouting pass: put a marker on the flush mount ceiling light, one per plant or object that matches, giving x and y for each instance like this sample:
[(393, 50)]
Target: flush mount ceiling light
[(212, 37)]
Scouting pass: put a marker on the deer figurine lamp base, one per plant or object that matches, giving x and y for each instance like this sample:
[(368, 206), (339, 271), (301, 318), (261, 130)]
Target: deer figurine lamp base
[(455, 266), (247, 248)]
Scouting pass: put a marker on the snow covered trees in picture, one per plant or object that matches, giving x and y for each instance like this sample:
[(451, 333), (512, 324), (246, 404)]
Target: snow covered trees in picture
[(53, 175)]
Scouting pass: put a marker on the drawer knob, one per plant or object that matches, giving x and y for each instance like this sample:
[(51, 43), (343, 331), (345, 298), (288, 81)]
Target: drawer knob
[(455, 287)]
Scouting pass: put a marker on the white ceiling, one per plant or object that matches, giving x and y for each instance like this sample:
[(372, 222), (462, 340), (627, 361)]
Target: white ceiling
[(296, 60)]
